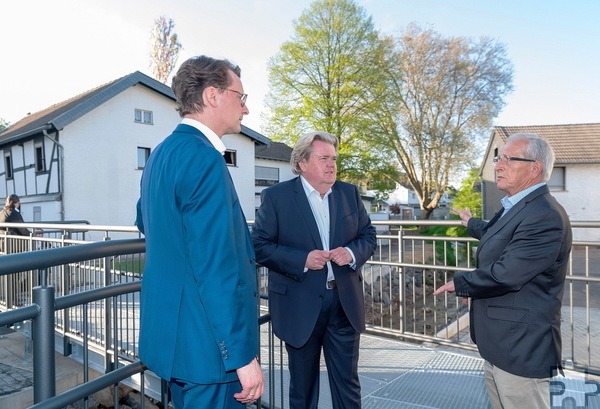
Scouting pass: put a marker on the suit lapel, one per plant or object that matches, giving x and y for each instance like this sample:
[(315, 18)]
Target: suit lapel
[(306, 212), (498, 222), (493, 220)]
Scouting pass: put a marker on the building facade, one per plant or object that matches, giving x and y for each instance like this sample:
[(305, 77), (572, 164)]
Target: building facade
[(82, 159)]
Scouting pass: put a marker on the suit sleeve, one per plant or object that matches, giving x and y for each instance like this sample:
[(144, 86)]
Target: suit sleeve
[(272, 251), (364, 244), (515, 257), (475, 227)]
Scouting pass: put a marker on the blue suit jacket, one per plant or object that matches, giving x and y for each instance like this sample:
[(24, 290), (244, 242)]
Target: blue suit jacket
[(198, 298), (285, 232), (518, 285)]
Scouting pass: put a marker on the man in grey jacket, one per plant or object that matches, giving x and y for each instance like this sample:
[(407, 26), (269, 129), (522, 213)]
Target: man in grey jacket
[(517, 287)]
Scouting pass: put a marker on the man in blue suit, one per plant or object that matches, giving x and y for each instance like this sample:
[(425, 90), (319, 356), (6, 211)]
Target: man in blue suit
[(517, 288), (199, 328), (314, 235)]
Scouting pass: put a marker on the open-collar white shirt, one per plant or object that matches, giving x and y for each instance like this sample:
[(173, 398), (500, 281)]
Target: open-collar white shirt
[(320, 209), (209, 133)]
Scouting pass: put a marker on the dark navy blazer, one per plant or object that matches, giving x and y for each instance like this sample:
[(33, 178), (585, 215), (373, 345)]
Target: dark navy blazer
[(285, 232)]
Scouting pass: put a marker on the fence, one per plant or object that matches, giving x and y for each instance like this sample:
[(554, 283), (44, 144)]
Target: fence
[(94, 313)]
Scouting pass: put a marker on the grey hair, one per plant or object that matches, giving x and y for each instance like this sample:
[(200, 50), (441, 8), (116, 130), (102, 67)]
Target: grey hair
[(304, 148), (537, 148)]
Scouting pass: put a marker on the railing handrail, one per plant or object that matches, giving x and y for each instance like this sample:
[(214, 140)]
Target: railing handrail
[(89, 388), (32, 311), (84, 224), (96, 294), (75, 226), (15, 263)]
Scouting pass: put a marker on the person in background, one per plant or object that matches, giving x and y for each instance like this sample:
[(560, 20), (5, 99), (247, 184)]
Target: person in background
[(314, 234), (12, 214), (517, 287), (199, 320)]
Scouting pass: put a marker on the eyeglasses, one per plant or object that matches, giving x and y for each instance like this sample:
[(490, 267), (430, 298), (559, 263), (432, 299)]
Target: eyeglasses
[(506, 158), (242, 96)]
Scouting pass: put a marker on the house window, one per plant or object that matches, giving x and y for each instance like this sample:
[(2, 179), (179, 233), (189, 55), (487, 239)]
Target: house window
[(142, 157), (40, 160), (143, 117), (230, 157), (8, 165), (557, 180), (265, 176)]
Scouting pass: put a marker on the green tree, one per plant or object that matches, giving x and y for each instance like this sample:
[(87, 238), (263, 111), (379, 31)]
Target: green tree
[(443, 95), (327, 78), (165, 48), (469, 196), (3, 124)]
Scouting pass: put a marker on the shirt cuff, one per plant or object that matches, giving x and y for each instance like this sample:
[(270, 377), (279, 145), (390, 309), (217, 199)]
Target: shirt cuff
[(353, 263)]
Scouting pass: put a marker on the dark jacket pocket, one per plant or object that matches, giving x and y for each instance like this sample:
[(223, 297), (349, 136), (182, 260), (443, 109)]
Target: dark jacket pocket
[(515, 314)]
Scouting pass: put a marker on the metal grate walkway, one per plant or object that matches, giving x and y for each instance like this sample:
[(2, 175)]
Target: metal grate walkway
[(403, 375)]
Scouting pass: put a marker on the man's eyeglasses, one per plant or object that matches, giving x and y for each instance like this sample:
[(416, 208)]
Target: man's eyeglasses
[(242, 96), (506, 158)]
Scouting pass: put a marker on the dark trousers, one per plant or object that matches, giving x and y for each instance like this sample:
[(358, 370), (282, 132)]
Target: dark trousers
[(340, 343), (185, 395)]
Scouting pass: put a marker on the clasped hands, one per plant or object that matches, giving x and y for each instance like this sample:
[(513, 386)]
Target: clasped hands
[(317, 259)]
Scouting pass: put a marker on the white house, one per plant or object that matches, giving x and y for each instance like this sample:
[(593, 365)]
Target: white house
[(82, 159), (408, 203), (574, 177), (272, 166)]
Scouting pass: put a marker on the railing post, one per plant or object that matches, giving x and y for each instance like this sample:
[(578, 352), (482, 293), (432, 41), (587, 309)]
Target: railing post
[(402, 280), (44, 371), (66, 282), (110, 363)]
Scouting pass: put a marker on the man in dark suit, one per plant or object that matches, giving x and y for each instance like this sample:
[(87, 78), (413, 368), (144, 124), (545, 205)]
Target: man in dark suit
[(199, 327), (518, 285), (314, 235)]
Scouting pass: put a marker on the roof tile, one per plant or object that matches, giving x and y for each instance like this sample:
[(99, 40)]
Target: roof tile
[(574, 143)]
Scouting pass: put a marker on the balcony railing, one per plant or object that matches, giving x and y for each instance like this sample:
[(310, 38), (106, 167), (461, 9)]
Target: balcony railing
[(93, 275)]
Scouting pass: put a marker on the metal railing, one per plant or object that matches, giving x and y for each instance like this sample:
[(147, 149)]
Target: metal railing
[(398, 282), (42, 315), (120, 364)]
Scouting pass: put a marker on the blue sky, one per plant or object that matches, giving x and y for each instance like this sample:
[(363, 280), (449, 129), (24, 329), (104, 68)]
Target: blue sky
[(53, 50)]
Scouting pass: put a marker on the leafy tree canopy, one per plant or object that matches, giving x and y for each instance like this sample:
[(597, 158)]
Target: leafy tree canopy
[(326, 78), (3, 124)]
